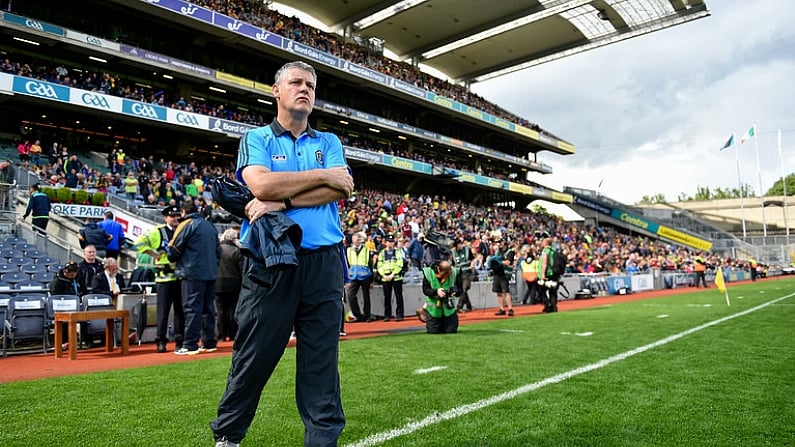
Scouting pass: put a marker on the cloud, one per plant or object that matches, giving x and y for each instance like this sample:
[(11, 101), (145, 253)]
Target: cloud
[(650, 114)]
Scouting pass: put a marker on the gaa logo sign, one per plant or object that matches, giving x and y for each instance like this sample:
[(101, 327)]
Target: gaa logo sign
[(95, 101), (39, 89), (190, 120), (144, 110), (34, 25)]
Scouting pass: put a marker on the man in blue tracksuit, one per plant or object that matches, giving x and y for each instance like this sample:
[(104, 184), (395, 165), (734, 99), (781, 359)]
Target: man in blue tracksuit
[(114, 229), (39, 207), (293, 168), (195, 249)]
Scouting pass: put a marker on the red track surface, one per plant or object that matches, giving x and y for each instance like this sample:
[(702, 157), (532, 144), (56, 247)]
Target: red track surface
[(36, 366)]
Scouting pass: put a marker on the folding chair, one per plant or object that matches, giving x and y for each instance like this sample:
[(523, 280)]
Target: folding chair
[(24, 247), (35, 253), (44, 277), (95, 328), (31, 286), (11, 253), (13, 240), (62, 303), (14, 277), (48, 262), (26, 319), (4, 308), (19, 261), (32, 268)]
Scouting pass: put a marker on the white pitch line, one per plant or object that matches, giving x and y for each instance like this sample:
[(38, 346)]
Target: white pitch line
[(463, 410), (429, 370)]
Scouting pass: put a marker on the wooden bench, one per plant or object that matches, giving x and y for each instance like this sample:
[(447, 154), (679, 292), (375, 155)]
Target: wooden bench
[(72, 318)]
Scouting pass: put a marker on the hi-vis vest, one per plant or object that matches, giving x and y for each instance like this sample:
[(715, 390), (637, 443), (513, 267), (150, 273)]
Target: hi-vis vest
[(529, 269), (436, 307), (461, 259), (392, 265), (359, 263), (155, 239)]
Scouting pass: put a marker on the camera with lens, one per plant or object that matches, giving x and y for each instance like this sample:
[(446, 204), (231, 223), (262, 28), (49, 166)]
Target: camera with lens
[(449, 296)]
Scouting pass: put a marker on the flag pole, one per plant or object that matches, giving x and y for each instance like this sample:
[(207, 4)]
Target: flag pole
[(740, 183), (761, 192), (784, 182)]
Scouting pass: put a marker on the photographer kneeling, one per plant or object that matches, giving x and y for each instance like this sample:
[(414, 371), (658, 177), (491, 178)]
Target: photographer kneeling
[(440, 285)]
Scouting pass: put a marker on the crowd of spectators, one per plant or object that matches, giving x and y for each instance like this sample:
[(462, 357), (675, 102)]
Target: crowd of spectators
[(115, 85), (379, 213), (259, 14), (141, 179), (588, 248)]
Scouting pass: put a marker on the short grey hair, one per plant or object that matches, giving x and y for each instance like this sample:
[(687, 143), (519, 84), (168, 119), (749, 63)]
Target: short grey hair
[(294, 64), (230, 234)]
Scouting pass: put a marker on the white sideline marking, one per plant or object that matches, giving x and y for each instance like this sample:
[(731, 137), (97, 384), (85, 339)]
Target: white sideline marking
[(429, 370), (579, 334), (662, 316), (463, 410)]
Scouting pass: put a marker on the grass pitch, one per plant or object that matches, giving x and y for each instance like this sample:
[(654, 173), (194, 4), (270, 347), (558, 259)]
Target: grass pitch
[(682, 370)]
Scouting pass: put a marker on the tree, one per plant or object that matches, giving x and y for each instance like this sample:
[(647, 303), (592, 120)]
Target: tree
[(540, 210), (704, 193), (778, 188), (657, 198)]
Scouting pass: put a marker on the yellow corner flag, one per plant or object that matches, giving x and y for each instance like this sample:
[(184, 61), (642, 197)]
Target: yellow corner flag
[(719, 281)]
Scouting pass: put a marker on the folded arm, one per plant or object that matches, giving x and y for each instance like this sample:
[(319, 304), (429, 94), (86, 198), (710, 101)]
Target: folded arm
[(303, 188)]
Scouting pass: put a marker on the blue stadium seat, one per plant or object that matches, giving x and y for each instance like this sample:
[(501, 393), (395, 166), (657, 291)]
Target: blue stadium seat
[(14, 277), (48, 261), (32, 268), (35, 253), (26, 319), (43, 277)]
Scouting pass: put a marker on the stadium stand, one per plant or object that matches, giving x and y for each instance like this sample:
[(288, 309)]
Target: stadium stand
[(417, 163)]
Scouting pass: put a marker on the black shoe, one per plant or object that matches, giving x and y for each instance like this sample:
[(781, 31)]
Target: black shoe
[(500, 312), (161, 347), (510, 312), (371, 319), (399, 319), (387, 318)]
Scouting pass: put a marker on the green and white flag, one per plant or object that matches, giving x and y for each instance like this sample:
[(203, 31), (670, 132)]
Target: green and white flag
[(750, 134)]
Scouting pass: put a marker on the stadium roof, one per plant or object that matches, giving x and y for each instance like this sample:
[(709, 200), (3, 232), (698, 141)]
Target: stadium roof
[(474, 40)]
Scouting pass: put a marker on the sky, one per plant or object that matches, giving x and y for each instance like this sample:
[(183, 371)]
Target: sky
[(649, 115)]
